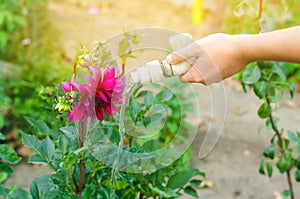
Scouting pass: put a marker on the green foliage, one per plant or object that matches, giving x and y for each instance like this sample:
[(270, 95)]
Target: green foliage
[(163, 110), (10, 20), (95, 167), (269, 81), (7, 156), (35, 61), (166, 182)]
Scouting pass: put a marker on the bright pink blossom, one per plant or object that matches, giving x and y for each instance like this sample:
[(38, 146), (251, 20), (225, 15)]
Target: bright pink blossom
[(96, 98), (108, 91)]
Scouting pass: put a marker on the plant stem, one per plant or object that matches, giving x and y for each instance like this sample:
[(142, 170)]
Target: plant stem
[(92, 174), (74, 69), (74, 180), (274, 127), (82, 177), (81, 134), (280, 143), (260, 9), (123, 68), (288, 175)]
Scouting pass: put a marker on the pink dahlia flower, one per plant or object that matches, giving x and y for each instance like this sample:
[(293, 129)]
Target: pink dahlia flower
[(108, 91), (96, 98)]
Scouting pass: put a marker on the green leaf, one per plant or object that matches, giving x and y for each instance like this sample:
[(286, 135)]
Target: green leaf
[(293, 137), (3, 176), (142, 94), (48, 148), (42, 187), (191, 191), (69, 140), (164, 95), (4, 167), (286, 193), (2, 137), (269, 152), (275, 94), (269, 169), (42, 128), (89, 191), (18, 194), (180, 179), (149, 99), (283, 164), (3, 190), (292, 89), (32, 142), (264, 111), (251, 75), (262, 167), (279, 70), (104, 193), (37, 159), (173, 127), (260, 89), (125, 178), (196, 183), (8, 154), (297, 175), (164, 192)]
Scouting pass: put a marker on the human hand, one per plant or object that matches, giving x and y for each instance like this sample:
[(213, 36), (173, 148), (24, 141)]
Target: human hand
[(216, 57)]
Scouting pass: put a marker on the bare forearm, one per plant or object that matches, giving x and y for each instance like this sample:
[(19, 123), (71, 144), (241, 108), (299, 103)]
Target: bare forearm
[(279, 45), (219, 56)]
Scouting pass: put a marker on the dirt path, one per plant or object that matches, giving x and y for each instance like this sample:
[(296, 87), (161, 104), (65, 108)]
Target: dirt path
[(233, 164)]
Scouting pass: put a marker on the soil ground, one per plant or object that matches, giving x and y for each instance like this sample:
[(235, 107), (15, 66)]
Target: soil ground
[(232, 166)]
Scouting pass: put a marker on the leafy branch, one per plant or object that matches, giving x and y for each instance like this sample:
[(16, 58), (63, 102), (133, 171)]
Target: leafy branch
[(268, 80)]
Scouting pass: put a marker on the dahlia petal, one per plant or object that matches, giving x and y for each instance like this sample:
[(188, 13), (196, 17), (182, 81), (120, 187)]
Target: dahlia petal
[(109, 73), (67, 86), (108, 84), (89, 79), (102, 96), (86, 103), (118, 88)]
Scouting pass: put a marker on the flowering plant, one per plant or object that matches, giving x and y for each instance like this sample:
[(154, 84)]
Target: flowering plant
[(93, 156)]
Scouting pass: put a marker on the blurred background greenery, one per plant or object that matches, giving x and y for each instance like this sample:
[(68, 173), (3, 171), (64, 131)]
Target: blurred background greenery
[(31, 61)]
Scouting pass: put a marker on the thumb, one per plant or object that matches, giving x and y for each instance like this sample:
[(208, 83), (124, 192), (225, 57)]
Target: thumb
[(183, 54)]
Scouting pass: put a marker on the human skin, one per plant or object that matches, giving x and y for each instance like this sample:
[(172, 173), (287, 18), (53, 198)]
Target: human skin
[(219, 55)]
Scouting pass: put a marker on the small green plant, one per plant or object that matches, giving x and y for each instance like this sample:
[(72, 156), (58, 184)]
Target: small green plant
[(268, 80)]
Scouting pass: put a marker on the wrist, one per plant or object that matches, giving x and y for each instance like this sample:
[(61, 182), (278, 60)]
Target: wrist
[(244, 48)]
